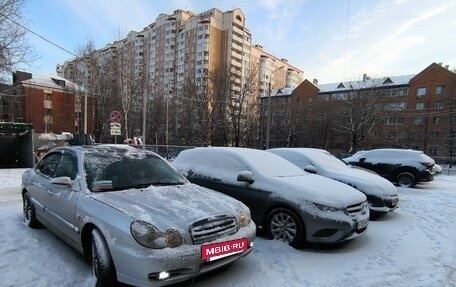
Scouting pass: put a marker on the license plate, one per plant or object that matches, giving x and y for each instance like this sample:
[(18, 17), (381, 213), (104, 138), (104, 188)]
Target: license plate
[(363, 223), (219, 250)]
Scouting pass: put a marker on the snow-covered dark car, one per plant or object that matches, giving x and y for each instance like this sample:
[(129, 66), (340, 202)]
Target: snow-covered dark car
[(137, 218), (286, 202), (405, 167), (381, 194)]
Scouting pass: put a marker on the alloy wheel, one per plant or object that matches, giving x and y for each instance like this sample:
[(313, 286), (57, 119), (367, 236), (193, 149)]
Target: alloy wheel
[(283, 227)]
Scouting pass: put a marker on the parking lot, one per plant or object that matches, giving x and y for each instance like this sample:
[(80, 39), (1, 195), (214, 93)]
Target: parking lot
[(413, 246)]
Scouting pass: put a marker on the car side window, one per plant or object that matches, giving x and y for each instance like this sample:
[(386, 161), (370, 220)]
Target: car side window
[(67, 166), (48, 165)]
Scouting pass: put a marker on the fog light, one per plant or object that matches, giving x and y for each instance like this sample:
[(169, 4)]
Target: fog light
[(163, 275)]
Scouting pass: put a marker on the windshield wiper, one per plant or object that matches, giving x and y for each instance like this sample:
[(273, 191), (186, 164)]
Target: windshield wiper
[(158, 183)]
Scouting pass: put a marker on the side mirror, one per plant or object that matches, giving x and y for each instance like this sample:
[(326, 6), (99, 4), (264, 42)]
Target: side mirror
[(310, 169), (63, 181), (245, 176), (363, 159)]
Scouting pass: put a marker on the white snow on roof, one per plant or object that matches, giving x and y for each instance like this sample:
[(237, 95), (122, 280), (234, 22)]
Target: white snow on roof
[(279, 92), (52, 80), (377, 82)]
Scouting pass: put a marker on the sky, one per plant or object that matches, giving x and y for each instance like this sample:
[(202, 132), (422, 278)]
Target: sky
[(329, 40)]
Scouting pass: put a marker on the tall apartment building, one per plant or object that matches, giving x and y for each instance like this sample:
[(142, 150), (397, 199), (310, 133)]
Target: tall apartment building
[(185, 46), (417, 111)]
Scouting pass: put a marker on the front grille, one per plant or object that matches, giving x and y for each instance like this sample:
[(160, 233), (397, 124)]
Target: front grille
[(212, 228), (357, 209)]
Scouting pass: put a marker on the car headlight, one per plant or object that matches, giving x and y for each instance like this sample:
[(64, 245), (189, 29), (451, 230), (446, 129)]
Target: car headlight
[(149, 236), (326, 208), (244, 218)]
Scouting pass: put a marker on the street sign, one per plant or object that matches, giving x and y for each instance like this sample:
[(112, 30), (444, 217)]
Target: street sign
[(115, 132), (115, 126), (115, 117), (115, 129)]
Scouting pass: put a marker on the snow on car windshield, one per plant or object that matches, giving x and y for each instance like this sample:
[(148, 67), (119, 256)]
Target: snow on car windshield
[(267, 163), (327, 161), (121, 169)]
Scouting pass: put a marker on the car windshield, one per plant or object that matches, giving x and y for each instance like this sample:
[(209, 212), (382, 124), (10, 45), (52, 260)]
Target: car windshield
[(327, 161), (118, 171)]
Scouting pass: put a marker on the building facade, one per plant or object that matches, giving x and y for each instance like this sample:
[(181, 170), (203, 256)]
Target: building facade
[(50, 103), (413, 111), (181, 51)]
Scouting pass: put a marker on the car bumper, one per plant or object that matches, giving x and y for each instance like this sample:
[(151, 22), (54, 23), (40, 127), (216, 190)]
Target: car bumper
[(382, 205), (140, 266), (425, 176), (324, 230)]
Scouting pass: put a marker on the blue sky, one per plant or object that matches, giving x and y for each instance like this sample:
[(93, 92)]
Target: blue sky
[(331, 40)]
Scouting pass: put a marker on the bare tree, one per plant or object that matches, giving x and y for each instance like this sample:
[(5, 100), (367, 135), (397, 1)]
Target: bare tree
[(201, 105), (14, 48), (361, 106), (243, 107), (125, 81)]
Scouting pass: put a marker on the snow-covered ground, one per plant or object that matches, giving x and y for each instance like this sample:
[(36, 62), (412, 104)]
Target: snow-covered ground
[(413, 246)]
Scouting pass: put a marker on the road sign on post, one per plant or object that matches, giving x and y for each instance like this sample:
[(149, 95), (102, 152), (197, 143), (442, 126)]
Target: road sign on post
[(115, 117), (115, 129)]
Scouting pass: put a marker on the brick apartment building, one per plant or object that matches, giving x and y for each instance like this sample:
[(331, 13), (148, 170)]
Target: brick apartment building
[(50, 103), (415, 111)]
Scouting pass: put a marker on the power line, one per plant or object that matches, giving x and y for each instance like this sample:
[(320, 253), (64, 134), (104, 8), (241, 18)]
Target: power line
[(39, 36)]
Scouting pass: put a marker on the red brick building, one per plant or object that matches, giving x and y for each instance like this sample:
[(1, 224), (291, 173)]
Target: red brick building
[(50, 103), (415, 111)]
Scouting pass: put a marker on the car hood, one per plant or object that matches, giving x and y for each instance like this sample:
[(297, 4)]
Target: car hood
[(314, 188), (367, 182), (171, 206)]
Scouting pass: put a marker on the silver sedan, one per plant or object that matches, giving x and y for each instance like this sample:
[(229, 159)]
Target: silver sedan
[(134, 216)]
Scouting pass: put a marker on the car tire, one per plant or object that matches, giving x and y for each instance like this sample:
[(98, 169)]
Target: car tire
[(102, 263), (29, 212), (405, 179), (283, 224)]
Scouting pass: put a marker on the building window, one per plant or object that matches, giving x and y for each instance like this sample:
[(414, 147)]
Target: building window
[(394, 121), (48, 97), (438, 105), (435, 121), (420, 92), (399, 106), (419, 106), (419, 120), (439, 90), (434, 135), (433, 150)]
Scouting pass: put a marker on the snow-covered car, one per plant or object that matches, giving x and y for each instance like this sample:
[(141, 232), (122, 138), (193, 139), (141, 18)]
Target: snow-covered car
[(406, 167), (134, 216), (381, 194), (286, 202)]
